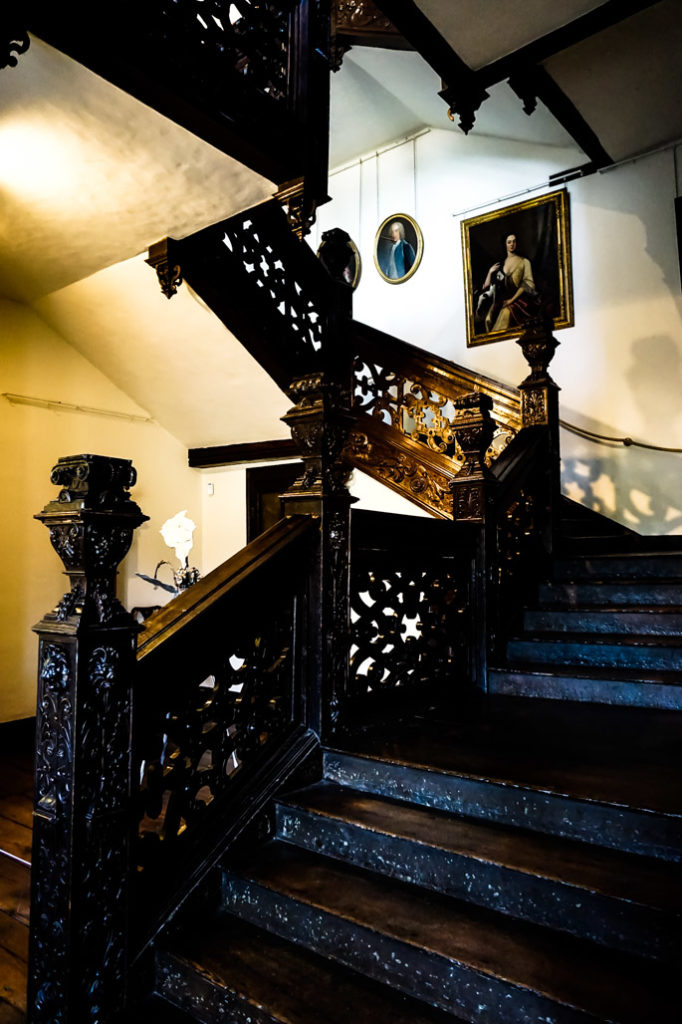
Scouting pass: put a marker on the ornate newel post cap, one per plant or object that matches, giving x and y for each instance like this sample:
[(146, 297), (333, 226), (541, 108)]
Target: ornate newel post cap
[(320, 424), (539, 393), (474, 428), (538, 345), (91, 524)]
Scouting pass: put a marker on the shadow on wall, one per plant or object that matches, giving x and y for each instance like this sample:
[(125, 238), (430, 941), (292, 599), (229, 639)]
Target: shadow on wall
[(654, 376), (638, 488)]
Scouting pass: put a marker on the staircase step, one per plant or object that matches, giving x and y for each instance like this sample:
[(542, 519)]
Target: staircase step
[(633, 566), (232, 971), (612, 898), (622, 621), (659, 654), (548, 807), (596, 686), (483, 967), (610, 595)]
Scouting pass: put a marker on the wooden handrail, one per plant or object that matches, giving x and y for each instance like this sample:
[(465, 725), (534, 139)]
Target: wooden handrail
[(188, 606)]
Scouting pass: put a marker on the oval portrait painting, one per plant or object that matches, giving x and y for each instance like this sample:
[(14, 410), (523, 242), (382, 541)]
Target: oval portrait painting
[(398, 248)]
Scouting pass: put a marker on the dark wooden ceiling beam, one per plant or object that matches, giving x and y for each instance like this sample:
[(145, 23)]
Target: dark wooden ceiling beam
[(249, 451), (603, 17), (536, 83), (462, 90)]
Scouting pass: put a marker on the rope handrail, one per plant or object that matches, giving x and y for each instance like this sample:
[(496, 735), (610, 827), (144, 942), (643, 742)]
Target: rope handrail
[(627, 442)]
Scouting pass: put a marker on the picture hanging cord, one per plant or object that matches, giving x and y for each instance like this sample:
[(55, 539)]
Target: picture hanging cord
[(414, 176)]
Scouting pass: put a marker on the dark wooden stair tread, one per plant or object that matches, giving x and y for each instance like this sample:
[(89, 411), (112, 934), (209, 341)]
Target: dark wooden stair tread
[(627, 757), (290, 983), (609, 872), (569, 972)]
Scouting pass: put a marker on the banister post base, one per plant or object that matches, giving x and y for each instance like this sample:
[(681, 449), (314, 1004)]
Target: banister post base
[(82, 816)]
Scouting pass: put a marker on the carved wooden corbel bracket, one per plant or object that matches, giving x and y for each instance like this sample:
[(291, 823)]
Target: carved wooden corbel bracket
[(357, 22), (14, 40), (464, 98), (163, 259)]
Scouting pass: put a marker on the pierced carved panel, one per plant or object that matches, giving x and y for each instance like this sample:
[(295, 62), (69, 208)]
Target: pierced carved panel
[(288, 299), (205, 727), (402, 471), (418, 411), (223, 44), (406, 626)]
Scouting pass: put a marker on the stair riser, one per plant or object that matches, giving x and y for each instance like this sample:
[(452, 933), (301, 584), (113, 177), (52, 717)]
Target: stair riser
[(616, 692), (612, 922), (615, 827), (579, 595), (195, 992), (597, 655), (654, 567), (604, 623), (435, 979)]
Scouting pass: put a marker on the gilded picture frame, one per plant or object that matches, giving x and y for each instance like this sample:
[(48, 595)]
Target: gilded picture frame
[(517, 267), (398, 248)]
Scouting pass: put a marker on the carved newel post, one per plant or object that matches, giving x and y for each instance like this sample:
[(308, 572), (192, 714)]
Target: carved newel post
[(540, 409), (473, 428), (320, 423), (82, 814)]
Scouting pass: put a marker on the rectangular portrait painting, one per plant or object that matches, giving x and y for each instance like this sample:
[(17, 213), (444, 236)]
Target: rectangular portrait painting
[(517, 268)]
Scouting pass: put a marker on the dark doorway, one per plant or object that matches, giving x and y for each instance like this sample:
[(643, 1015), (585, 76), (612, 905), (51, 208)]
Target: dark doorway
[(264, 484)]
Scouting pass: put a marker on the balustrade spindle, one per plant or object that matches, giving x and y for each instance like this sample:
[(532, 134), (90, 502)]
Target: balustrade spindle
[(82, 814)]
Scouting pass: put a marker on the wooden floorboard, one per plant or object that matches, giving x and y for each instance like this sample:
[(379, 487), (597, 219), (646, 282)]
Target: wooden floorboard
[(17, 807), (15, 839), (16, 822), (15, 889), (12, 980)]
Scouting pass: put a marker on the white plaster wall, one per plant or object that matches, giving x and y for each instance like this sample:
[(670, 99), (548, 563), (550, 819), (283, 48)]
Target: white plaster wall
[(37, 362), (620, 367)]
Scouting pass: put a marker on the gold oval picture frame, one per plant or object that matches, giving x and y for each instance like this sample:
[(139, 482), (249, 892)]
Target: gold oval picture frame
[(398, 248)]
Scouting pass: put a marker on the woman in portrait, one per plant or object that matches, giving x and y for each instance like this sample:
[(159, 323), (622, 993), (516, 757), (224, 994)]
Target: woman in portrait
[(508, 298)]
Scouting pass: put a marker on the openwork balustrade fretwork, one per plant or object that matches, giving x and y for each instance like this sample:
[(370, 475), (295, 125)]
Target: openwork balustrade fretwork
[(266, 286), (417, 409), (208, 720), (222, 44), (408, 621)]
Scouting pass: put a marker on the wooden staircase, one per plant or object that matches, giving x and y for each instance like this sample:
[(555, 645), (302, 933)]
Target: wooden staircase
[(510, 867)]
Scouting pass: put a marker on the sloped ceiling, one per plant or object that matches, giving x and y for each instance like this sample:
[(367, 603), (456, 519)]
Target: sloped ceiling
[(173, 357), (483, 32), (381, 95), (625, 80), (90, 176)]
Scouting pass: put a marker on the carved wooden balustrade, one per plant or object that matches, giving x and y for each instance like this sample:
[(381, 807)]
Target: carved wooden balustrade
[(405, 405), (221, 711), (410, 621), (249, 76), (266, 286), (147, 769)]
